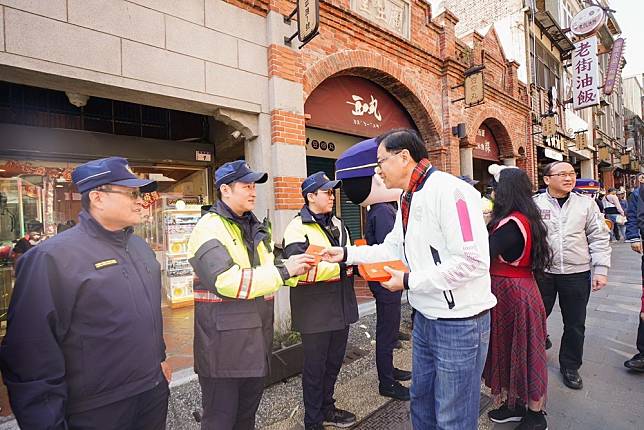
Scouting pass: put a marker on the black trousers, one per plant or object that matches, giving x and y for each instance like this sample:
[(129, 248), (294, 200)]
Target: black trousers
[(230, 403), (574, 292), (387, 329), (323, 356), (145, 411)]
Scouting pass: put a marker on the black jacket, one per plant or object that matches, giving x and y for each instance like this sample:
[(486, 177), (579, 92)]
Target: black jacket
[(323, 306), (84, 327)]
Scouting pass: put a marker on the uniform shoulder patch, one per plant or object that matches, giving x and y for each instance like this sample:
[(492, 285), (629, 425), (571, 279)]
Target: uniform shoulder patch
[(105, 263)]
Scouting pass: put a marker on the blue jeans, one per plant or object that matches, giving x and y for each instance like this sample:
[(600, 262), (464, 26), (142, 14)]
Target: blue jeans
[(448, 360)]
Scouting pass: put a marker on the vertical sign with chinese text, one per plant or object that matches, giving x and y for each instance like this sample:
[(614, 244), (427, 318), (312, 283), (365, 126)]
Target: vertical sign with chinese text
[(308, 19), (614, 65), (585, 81)]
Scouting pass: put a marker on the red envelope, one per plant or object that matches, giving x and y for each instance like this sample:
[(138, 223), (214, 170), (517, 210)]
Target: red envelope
[(315, 251), (376, 271)]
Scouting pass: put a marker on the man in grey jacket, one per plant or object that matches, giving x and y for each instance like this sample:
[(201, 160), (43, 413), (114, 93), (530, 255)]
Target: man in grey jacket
[(579, 240)]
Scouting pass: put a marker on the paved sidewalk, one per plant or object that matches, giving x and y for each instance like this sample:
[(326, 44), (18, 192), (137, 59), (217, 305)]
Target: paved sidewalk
[(612, 397)]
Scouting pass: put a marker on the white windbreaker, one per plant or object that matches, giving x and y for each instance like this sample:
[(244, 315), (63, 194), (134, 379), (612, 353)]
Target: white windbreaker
[(446, 248), (577, 234)]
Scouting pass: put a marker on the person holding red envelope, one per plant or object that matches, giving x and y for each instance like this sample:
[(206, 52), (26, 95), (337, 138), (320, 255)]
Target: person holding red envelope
[(323, 303), (440, 233)]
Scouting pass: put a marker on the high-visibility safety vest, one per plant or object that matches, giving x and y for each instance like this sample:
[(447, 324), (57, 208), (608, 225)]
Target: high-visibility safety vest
[(241, 280), (324, 299), (234, 309)]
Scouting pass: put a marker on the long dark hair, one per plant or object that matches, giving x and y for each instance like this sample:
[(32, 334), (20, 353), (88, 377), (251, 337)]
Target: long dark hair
[(514, 193)]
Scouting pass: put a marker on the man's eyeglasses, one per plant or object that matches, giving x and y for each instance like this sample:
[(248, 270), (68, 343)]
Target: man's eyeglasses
[(563, 175), (330, 193), (379, 163), (133, 194)]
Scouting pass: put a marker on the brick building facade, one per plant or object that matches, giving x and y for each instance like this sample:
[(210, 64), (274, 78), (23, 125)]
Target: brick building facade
[(160, 81)]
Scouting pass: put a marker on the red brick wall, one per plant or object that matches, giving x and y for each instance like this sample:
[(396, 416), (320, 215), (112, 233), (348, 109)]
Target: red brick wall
[(421, 73), (287, 193)]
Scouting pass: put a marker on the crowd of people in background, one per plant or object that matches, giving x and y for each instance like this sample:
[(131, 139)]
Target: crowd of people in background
[(484, 275)]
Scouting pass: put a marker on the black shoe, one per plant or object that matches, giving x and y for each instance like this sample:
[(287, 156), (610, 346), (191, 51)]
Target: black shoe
[(404, 336), (339, 418), (548, 343), (398, 345), (395, 391), (402, 375), (636, 363), (506, 415), (572, 379), (314, 427), (533, 421)]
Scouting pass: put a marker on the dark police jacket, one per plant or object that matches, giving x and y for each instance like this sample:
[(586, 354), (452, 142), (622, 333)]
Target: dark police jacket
[(84, 327), (324, 299)]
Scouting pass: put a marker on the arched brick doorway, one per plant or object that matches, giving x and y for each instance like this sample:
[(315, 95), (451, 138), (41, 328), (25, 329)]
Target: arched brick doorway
[(399, 82)]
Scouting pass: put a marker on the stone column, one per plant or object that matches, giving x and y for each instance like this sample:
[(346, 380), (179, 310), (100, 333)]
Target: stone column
[(288, 152), (510, 161), (467, 161)]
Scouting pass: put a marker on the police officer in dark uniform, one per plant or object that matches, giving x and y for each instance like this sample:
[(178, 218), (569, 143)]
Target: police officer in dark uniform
[(380, 221), (84, 345), (232, 253), (323, 304)]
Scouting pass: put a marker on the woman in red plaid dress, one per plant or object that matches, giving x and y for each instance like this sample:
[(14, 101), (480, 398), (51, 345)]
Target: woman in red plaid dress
[(516, 362)]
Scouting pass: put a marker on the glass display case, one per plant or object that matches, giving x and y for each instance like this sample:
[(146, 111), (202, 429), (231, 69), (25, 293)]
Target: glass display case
[(167, 229)]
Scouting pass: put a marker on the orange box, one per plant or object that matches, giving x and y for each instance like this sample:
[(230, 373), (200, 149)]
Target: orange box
[(376, 271), (360, 242), (316, 251)]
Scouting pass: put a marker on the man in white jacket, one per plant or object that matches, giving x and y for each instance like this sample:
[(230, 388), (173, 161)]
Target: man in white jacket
[(440, 234), (579, 240)]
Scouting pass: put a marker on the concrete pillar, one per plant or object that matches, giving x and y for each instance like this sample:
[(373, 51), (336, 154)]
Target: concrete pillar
[(587, 169), (467, 162)]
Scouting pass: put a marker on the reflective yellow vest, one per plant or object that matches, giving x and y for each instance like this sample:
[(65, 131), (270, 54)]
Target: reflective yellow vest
[(241, 281), (297, 231)]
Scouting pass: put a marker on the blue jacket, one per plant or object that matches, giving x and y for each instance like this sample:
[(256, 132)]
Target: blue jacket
[(84, 326), (635, 216)]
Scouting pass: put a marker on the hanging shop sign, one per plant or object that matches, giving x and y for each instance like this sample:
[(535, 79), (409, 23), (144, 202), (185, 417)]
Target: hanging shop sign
[(625, 160), (308, 21), (604, 153), (486, 147), (548, 126), (349, 104), (474, 89), (614, 65), (587, 21), (585, 91), (581, 141)]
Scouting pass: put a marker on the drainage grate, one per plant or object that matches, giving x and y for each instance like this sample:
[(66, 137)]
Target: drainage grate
[(353, 353)]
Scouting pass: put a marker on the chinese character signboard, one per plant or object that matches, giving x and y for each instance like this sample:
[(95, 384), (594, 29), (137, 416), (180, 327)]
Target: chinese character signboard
[(587, 21), (585, 83), (308, 19), (548, 126), (474, 88), (581, 141), (354, 105), (614, 65), (392, 15), (486, 147)]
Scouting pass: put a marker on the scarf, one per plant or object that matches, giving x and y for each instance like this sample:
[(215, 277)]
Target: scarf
[(418, 177)]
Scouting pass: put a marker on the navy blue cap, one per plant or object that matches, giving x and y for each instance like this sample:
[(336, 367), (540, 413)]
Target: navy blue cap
[(109, 171), (238, 171), (319, 181), (359, 161)]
